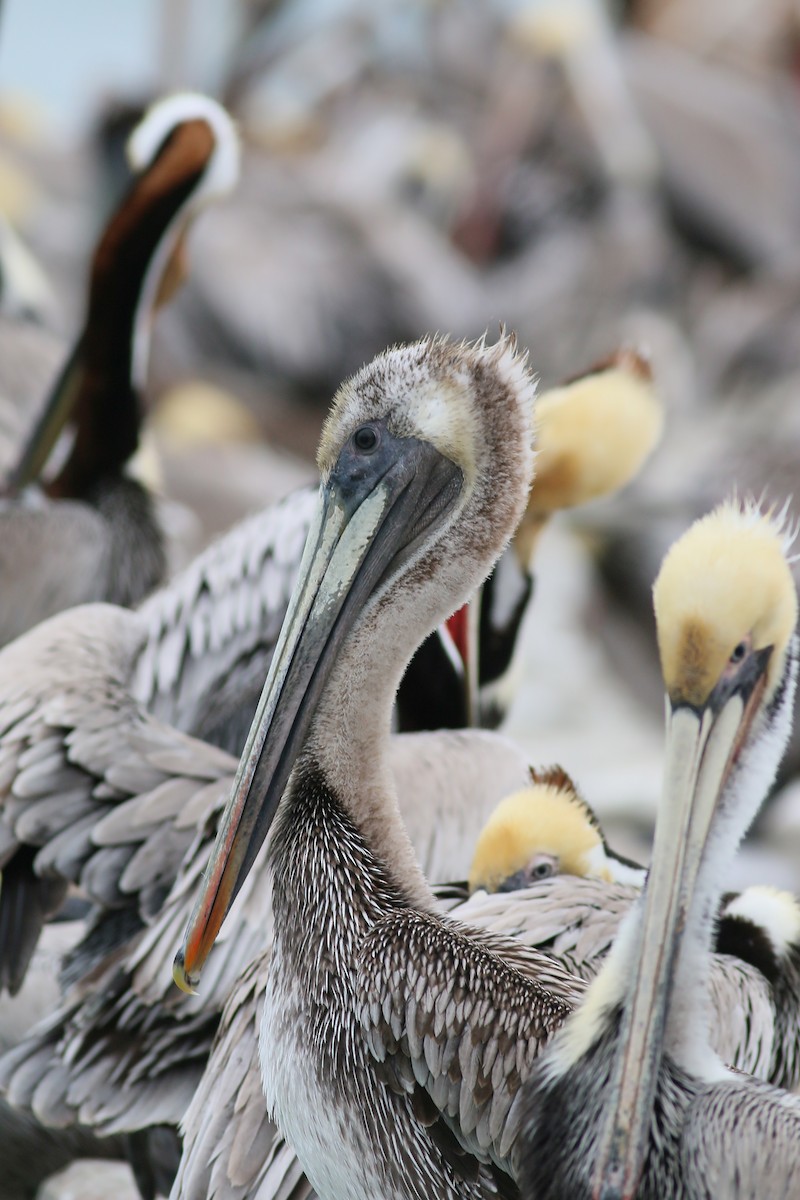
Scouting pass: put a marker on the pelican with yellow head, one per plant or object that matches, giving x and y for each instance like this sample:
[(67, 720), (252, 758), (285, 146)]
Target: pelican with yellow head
[(643, 1106)]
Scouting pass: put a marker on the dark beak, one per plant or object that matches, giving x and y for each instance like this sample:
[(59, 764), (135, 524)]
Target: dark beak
[(370, 519)]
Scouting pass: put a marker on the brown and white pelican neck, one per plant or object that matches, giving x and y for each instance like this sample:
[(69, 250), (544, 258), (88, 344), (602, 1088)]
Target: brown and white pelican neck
[(643, 1106), (426, 462), (186, 155)]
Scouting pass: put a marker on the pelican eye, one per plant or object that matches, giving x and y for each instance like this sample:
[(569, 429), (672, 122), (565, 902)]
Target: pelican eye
[(366, 439), (544, 867), (739, 653)]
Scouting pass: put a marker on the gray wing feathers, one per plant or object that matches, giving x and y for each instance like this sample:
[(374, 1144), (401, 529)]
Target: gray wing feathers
[(461, 1018), (222, 612), (103, 794), (127, 1050), (576, 920), (743, 1028), (232, 1151), (573, 920), (741, 1140)]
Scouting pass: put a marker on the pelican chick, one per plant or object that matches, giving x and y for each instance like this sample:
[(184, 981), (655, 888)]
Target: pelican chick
[(89, 531), (630, 1100)]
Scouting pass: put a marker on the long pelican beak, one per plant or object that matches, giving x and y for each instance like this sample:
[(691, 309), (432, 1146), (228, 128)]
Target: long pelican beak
[(368, 522), (702, 746), (57, 412)]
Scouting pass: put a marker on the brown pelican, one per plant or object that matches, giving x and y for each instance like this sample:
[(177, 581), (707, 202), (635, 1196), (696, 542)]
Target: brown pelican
[(631, 1100), (122, 853), (91, 531), (473, 770), (426, 461)]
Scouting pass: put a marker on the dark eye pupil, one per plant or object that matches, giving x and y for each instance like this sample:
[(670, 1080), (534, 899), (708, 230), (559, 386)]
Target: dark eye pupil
[(365, 439), (541, 871), (739, 653)]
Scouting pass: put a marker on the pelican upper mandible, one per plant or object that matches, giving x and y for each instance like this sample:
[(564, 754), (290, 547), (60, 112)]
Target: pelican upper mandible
[(630, 1100), (92, 532), (426, 461)]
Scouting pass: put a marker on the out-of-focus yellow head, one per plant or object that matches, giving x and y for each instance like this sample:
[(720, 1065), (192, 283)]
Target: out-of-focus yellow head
[(594, 434)]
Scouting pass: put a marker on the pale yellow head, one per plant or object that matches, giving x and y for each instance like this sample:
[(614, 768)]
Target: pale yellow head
[(548, 822), (724, 586), (595, 433)]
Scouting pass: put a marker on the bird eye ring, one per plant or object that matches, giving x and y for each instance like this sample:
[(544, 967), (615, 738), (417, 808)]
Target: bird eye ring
[(366, 439)]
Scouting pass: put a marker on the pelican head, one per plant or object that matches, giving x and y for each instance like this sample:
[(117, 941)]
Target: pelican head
[(593, 436), (544, 830), (425, 462), (185, 153), (726, 609), (197, 134)]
